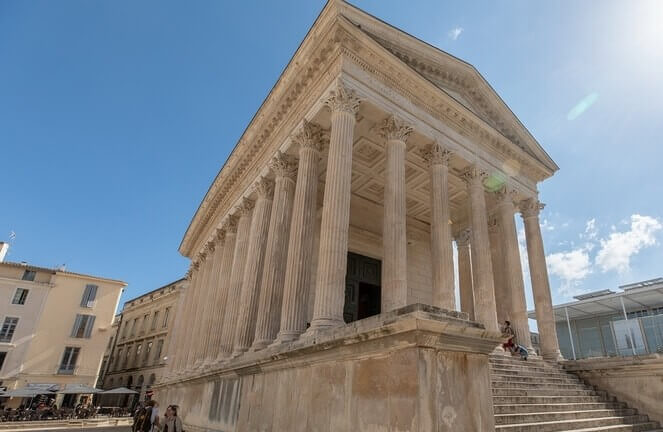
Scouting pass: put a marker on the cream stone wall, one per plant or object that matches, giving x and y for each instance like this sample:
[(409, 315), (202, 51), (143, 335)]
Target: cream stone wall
[(637, 381), (46, 321)]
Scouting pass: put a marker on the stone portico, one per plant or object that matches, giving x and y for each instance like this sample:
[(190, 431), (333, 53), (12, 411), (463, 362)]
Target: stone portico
[(375, 144)]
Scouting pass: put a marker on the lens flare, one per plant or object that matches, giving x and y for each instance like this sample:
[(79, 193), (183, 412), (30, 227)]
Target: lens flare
[(495, 181), (582, 106)]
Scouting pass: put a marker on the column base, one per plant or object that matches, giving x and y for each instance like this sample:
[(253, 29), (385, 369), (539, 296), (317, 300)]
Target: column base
[(285, 337), (260, 345), (555, 356), (322, 324)]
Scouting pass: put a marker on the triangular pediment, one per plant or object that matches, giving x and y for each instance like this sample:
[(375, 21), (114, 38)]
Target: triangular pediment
[(458, 79)]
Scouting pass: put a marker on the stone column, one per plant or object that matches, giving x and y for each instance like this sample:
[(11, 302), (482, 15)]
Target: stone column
[(175, 350), (333, 255), (513, 271), (209, 312), (185, 340), (482, 269), (255, 258), (440, 230), (212, 310), (273, 273), (538, 271), (225, 272), (300, 244), (201, 311), (394, 234), (465, 273), (235, 287), (502, 296)]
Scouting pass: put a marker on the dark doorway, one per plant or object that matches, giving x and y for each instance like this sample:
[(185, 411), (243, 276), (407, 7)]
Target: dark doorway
[(362, 288)]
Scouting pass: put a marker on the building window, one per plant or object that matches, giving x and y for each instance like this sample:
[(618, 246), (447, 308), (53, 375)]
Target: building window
[(155, 319), (110, 342), (3, 355), (165, 317), (69, 358), (148, 349), (157, 353), (126, 358), (118, 359), (146, 318), (126, 329), (133, 327), (8, 328), (83, 326), (29, 275), (89, 295), (139, 348), (20, 296)]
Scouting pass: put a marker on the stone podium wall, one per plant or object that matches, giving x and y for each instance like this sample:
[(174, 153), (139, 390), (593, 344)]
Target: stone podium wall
[(636, 380), (415, 369)]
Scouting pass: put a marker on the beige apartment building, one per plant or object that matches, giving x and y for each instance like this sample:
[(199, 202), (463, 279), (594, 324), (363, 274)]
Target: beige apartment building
[(136, 357), (55, 325)]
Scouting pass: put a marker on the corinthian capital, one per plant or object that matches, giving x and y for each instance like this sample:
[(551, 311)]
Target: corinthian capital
[(310, 135), (245, 206), (342, 99), (474, 176), (393, 128), (505, 195), (230, 224), (530, 208), (284, 165), (220, 235), (265, 188), (463, 237), (435, 154)]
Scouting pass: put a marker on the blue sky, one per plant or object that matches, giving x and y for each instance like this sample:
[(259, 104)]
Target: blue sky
[(115, 116)]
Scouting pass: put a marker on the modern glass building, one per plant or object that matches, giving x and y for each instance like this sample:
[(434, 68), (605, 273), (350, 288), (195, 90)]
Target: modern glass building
[(608, 323)]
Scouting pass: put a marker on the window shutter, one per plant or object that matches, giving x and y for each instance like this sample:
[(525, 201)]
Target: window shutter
[(86, 294), (90, 326), (77, 324), (93, 293)]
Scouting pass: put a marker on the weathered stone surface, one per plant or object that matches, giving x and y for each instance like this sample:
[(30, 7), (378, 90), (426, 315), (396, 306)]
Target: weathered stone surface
[(413, 369)]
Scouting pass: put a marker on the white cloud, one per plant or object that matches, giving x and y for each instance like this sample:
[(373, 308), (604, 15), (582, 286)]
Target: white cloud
[(590, 229), (547, 226), (618, 248), (455, 32), (571, 267)]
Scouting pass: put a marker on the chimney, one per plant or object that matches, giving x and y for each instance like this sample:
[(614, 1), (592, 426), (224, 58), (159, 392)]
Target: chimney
[(4, 247)]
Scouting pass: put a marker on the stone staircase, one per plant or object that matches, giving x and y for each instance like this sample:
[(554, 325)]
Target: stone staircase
[(538, 396)]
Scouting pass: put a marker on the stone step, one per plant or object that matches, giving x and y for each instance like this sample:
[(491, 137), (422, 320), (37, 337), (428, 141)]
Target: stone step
[(525, 367), (534, 374), (543, 392), (516, 383), (552, 416), (620, 428), (529, 400), (555, 407), (565, 425), (561, 379)]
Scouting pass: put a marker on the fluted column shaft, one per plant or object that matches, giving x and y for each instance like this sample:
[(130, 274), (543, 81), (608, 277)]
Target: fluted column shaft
[(171, 351), (502, 296), (235, 291), (513, 272), (465, 273), (198, 308), (183, 351), (225, 273), (300, 244), (441, 240), (333, 255), (540, 284), (255, 258), (207, 308), (176, 349), (394, 234), (212, 312), (273, 273), (482, 269)]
